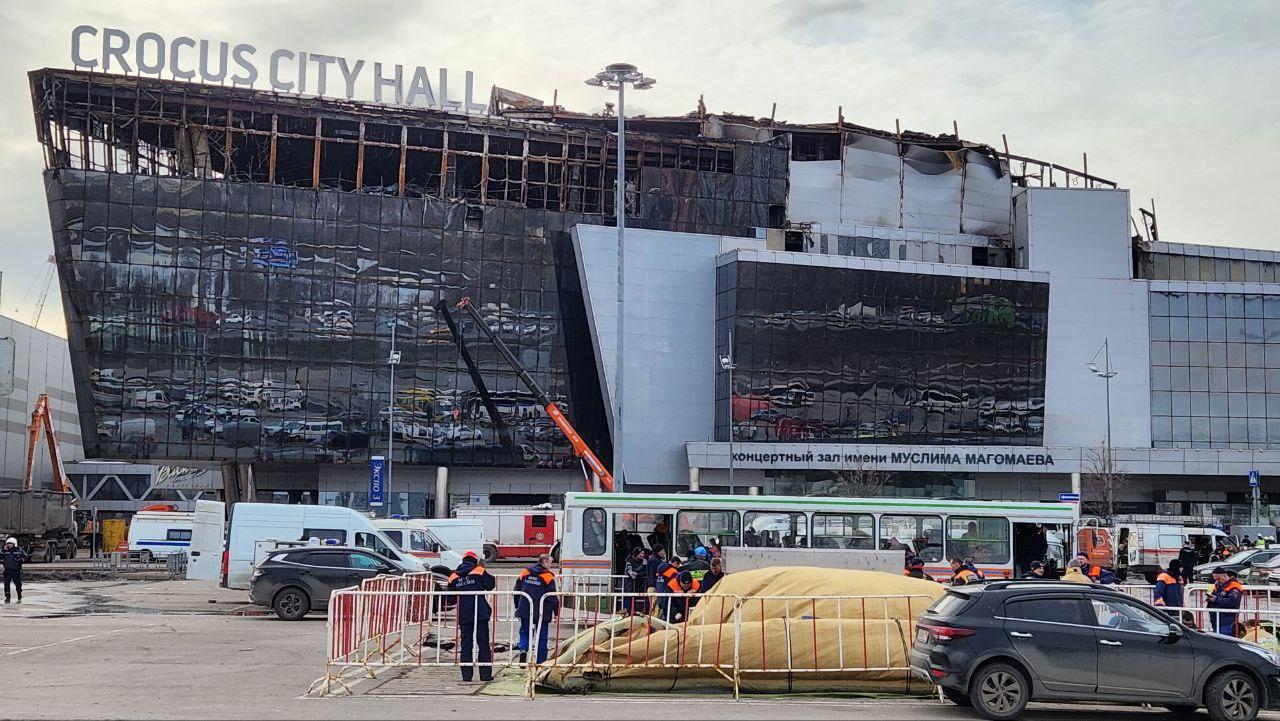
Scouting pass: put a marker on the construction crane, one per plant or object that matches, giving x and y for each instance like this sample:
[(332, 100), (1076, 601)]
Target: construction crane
[(579, 446), (41, 419), (41, 282)]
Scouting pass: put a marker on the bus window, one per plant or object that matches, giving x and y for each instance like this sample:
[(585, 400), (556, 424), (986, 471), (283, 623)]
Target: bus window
[(844, 530), (774, 530), (702, 528), (922, 534), (985, 540), (595, 532)]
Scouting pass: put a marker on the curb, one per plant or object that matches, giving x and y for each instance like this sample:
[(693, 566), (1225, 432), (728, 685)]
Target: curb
[(247, 611)]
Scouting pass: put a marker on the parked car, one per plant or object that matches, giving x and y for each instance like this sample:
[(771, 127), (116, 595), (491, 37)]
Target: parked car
[(296, 581), (997, 647), (343, 440), (1238, 562)]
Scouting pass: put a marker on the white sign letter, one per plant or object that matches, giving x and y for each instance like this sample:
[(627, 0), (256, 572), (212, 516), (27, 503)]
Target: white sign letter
[(274, 74), (238, 53), (179, 73), (140, 53), (207, 75), (322, 66), (379, 82), (76, 57), (113, 50), (349, 75), (420, 85)]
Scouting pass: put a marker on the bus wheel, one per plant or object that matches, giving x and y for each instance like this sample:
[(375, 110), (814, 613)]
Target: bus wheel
[(490, 553)]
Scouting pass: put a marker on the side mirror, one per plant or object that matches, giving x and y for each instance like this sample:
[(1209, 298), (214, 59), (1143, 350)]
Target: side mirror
[(1173, 632), (435, 547)]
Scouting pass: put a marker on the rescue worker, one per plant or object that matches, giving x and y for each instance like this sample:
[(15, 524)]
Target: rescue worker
[(658, 538), (1168, 590), (700, 564), (969, 564), (636, 581), (1226, 593), (713, 576), (1187, 561), (1094, 572), (12, 557), (657, 558), (1073, 573), (1036, 573), (961, 575), (681, 596), (539, 584), (915, 569), (474, 614)]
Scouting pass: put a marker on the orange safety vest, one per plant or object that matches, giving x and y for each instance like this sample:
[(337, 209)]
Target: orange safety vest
[(964, 576), (1232, 585), (546, 577), (674, 586), (1095, 571), (670, 573), (477, 571)]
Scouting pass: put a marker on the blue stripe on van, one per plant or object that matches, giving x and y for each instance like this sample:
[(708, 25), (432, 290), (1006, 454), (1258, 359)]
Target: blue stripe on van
[(162, 543)]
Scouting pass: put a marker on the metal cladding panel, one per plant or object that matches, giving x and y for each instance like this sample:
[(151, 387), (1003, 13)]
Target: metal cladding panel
[(869, 189)]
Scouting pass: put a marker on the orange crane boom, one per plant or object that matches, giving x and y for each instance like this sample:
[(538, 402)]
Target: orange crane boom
[(42, 420), (579, 446)]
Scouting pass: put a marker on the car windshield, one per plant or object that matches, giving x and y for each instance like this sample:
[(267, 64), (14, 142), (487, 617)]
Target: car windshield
[(1239, 556)]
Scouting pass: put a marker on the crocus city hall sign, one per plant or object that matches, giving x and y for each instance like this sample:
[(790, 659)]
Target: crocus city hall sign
[(285, 71)]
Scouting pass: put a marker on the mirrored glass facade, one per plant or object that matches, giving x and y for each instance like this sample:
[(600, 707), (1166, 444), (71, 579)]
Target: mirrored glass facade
[(840, 354), (234, 267), (1215, 370)]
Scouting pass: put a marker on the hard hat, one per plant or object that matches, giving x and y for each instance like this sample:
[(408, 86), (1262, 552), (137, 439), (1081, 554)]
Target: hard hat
[(12, 540), (699, 551), (470, 554)]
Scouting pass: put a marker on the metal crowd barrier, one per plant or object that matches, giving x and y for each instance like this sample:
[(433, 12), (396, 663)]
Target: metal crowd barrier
[(1260, 598), (407, 621)]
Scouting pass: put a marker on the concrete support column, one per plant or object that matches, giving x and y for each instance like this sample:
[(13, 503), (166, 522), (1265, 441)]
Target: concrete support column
[(1075, 483), (442, 492), (753, 490), (695, 475), (248, 484)]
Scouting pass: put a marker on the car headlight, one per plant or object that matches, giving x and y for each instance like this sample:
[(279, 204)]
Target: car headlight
[(1271, 656)]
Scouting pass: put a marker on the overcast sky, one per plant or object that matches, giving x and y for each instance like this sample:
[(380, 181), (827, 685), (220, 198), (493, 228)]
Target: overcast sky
[(1177, 101)]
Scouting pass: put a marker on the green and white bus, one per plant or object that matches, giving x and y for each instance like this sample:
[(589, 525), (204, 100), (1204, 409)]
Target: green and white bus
[(1002, 537)]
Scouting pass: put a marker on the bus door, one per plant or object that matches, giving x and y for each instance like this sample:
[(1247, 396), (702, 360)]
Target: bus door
[(642, 530), (1044, 542)]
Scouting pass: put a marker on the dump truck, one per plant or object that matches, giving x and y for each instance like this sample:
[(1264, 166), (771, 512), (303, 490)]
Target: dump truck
[(42, 521)]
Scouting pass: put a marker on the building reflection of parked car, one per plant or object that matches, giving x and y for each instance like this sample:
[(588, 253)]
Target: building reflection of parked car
[(282, 431), (343, 441), (244, 432), (314, 430)]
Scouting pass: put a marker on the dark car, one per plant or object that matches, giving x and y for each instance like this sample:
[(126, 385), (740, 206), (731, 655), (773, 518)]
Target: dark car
[(1238, 562), (343, 440), (296, 581), (998, 646)]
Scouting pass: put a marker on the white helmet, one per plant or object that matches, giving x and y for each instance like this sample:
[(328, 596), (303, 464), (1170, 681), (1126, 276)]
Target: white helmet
[(11, 541)]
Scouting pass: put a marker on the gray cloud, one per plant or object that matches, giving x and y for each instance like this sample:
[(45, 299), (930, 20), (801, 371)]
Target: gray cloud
[(1175, 100)]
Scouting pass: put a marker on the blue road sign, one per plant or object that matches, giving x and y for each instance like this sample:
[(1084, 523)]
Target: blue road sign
[(377, 480), (1069, 497), (1253, 478)]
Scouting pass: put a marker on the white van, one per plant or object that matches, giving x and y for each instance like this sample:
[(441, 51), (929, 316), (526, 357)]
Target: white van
[(159, 534), (438, 542), (311, 430), (253, 522)]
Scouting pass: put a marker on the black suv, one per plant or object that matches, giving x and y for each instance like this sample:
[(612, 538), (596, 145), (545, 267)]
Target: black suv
[(998, 646), (296, 581)]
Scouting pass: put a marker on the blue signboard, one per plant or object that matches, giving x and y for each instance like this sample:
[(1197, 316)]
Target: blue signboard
[(1253, 478), (377, 480), (1069, 497), (276, 255)]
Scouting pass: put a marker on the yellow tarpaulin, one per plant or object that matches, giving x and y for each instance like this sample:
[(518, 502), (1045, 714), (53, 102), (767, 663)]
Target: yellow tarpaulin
[(772, 627)]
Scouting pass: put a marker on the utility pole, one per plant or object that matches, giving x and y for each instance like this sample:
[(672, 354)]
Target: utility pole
[(392, 361)]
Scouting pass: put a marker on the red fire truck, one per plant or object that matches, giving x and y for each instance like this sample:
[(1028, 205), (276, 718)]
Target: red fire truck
[(515, 532)]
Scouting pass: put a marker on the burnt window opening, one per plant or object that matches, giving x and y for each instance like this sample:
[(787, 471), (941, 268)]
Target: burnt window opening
[(340, 129), (295, 161), (381, 170), (475, 218), (777, 216), (338, 165), (467, 175), (815, 146), (793, 241), (422, 173)]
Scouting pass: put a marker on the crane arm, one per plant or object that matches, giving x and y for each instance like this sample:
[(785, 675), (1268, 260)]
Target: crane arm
[(42, 420), (579, 446)]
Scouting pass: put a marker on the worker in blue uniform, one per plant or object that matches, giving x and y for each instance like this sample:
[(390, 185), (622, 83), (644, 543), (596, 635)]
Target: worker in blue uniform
[(1227, 593), (474, 614), (636, 581), (541, 606)]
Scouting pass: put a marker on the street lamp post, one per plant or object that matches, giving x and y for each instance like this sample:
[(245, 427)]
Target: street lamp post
[(726, 363), (1106, 373), (617, 76), (392, 361)]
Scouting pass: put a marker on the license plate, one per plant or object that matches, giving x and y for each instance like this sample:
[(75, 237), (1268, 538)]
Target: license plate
[(922, 636)]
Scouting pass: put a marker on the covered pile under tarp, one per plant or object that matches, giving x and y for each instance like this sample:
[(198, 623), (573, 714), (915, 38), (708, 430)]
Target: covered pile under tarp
[(784, 631)]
